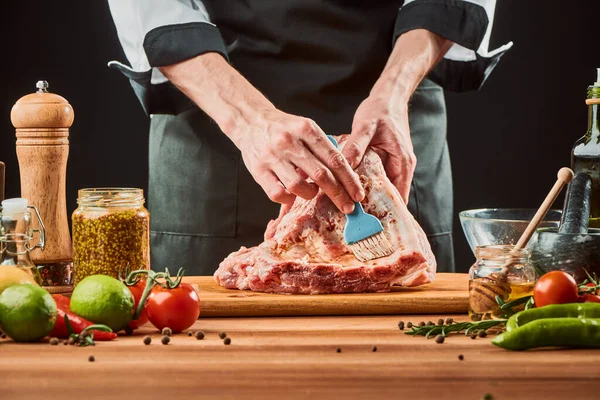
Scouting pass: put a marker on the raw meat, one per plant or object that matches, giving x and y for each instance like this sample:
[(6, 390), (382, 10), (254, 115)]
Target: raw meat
[(304, 250)]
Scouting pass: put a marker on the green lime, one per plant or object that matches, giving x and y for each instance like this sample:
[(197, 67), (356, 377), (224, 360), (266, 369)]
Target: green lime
[(27, 312), (104, 300)]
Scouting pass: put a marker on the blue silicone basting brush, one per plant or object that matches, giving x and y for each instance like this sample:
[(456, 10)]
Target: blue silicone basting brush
[(363, 232)]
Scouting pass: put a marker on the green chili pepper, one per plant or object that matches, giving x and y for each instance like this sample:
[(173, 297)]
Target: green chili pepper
[(571, 310), (555, 332)]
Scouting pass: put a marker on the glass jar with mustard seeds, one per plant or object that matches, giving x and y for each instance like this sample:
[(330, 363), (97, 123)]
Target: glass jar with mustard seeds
[(111, 232)]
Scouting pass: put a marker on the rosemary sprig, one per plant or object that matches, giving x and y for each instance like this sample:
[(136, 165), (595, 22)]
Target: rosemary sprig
[(508, 307), (444, 330), (589, 285)]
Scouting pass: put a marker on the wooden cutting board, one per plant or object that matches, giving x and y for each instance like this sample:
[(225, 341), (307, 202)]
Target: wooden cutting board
[(447, 295)]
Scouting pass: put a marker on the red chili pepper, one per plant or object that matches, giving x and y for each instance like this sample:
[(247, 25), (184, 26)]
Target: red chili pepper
[(63, 306)]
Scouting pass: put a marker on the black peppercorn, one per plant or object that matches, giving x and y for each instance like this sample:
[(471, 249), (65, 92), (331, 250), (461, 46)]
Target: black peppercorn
[(222, 335), (165, 339), (441, 321), (227, 340), (71, 340), (147, 340), (338, 350), (401, 325), (128, 331), (3, 335), (409, 325), (421, 323), (190, 333), (430, 323), (374, 348), (461, 357), (167, 331), (473, 336), (91, 358), (84, 334), (449, 321), (482, 334), (66, 342), (54, 341), (487, 396), (439, 339), (199, 335)]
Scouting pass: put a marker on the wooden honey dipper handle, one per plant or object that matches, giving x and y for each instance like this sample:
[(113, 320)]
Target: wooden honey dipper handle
[(564, 176)]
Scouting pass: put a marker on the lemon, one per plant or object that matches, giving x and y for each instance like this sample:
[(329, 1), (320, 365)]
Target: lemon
[(27, 312), (104, 300), (11, 275)]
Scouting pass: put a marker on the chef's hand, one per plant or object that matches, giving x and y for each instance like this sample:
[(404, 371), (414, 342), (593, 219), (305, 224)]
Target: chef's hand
[(381, 120), (281, 150), (381, 124)]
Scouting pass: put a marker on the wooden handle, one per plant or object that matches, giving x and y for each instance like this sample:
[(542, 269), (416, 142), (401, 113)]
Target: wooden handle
[(565, 175)]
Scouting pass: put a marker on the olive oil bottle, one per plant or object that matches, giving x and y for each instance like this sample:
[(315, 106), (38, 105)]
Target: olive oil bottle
[(585, 156)]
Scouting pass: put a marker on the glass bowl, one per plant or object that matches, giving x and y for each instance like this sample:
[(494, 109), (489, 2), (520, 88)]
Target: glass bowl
[(486, 226)]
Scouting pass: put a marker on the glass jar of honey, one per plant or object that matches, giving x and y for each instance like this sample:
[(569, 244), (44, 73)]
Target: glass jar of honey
[(111, 232), (499, 271)]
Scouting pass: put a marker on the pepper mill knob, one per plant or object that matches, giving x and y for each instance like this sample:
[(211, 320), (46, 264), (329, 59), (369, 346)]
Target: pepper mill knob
[(42, 109), (42, 120)]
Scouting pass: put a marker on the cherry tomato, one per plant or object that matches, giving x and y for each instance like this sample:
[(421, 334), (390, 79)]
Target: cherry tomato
[(591, 286), (589, 298), (176, 308), (555, 287), (137, 290)]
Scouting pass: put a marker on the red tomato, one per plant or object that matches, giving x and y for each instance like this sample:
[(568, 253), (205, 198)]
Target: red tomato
[(591, 286), (555, 287), (589, 298), (137, 290), (176, 308)]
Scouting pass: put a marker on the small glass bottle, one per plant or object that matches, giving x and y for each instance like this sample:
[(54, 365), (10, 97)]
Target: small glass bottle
[(111, 232), (498, 271), (585, 155), (16, 236)]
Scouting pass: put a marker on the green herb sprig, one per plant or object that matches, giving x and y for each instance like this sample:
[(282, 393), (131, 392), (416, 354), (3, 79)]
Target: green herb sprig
[(85, 339)]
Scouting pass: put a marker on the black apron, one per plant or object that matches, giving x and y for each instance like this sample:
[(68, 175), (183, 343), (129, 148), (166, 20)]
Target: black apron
[(317, 59)]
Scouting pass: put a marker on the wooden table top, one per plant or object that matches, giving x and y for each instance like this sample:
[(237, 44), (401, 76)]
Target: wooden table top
[(295, 357)]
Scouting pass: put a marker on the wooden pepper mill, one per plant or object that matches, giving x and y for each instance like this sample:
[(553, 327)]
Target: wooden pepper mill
[(42, 122)]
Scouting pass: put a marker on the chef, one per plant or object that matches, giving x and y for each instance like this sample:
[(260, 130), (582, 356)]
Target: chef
[(242, 93)]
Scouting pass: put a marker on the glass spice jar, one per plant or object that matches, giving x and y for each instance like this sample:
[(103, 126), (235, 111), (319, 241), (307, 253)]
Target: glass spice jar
[(111, 232), (498, 271)]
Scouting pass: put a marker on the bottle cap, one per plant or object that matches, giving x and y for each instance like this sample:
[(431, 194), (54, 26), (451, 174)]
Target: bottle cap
[(14, 206), (42, 109)]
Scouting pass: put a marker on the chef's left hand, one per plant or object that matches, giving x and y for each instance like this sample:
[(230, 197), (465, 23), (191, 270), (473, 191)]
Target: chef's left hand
[(381, 122)]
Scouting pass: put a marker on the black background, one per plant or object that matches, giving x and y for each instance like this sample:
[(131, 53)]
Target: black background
[(507, 141)]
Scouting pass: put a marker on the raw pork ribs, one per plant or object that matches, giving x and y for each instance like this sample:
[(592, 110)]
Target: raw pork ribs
[(304, 250)]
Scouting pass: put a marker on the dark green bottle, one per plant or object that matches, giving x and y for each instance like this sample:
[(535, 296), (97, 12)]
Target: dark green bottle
[(585, 156)]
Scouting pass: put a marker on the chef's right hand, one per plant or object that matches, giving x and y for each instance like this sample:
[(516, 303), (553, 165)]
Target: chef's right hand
[(282, 150)]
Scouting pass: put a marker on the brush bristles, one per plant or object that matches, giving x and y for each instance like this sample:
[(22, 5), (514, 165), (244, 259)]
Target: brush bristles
[(373, 247)]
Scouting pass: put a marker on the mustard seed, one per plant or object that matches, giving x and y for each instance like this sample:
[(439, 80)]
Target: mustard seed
[(105, 240)]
